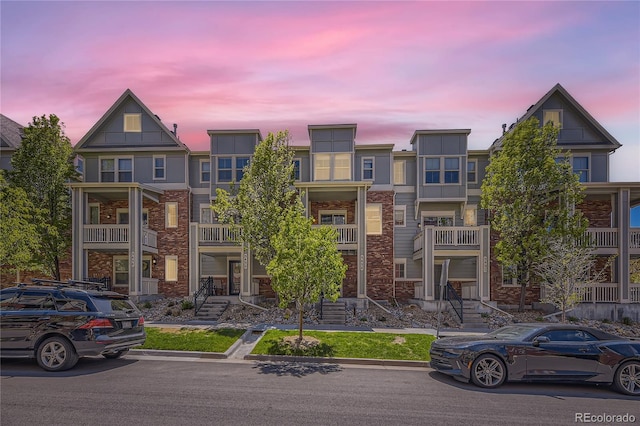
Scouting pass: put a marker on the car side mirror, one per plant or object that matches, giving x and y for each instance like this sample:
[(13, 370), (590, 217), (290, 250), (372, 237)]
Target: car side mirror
[(540, 339)]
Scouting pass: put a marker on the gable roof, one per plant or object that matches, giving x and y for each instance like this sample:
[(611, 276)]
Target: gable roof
[(11, 133), (121, 100), (562, 92)]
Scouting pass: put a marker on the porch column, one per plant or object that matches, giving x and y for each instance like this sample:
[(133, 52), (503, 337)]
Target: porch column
[(245, 284), (361, 218), (135, 241), (79, 203), (483, 264), (428, 262), (194, 258), (624, 224)]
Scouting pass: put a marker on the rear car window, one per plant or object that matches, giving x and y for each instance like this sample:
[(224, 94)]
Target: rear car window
[(114, 305)]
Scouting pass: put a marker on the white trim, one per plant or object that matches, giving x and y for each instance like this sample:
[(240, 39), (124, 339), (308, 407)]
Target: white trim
[(514, 280), (299, 160), (560, 114), (338, 212), (442, 169), (201, 207), (118, 212), (89, 206)]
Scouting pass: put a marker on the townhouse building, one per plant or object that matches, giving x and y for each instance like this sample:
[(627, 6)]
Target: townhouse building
[(142, 216)]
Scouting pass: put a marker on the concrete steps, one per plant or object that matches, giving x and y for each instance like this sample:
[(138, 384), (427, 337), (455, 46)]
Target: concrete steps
[(212, 309), (334, 313), (472, 319)]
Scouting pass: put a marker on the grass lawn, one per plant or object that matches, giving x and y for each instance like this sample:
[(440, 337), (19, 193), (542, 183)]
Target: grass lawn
[(190, 339), (410, 347)]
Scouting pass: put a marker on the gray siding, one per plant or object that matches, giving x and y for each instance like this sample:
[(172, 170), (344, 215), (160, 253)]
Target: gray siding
[(382, 164), (194, 171), (442, 144), (142, 166), (332, 140), (111, 134), (233, 144)]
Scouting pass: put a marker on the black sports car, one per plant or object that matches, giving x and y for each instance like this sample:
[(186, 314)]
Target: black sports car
[(537, 352)]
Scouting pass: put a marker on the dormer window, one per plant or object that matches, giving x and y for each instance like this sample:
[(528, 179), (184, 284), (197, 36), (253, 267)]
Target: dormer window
[(554, 116), (332, 166), (132, 123)]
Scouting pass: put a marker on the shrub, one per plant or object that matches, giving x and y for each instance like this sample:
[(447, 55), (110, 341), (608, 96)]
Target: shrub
[(572, 319), (627, 321), (187, 304), (540, 319), (606, 320), (147, 305)]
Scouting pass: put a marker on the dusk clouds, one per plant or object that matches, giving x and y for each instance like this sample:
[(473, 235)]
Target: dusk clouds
[(390, 67)]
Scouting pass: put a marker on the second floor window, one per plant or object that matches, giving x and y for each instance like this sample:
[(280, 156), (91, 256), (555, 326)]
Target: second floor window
[(332, 166), (472, 169), (373, 218), (205, 171), (296, 169), (432, 170), (451, 170), (581, 168), (241, 163), (225, 170), (171, 215), (116, 169), (367, 169), (159, 167), (399, 175), (554, 116)]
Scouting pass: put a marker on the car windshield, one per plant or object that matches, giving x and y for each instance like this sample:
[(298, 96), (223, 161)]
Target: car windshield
[(511, 332)]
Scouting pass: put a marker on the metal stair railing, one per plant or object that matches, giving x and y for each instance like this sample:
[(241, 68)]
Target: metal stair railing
[(455, 300), (206, 289)]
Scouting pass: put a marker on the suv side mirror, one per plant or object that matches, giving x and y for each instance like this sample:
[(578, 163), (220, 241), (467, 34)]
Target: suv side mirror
[(540, 339)]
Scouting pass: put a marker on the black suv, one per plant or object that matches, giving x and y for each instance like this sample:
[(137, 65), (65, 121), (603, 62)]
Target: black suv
[(57, 322)]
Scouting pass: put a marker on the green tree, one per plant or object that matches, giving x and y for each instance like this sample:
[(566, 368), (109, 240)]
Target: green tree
[(264, 195), (42, 166), (531, 197), (18, 233), (306, 264)]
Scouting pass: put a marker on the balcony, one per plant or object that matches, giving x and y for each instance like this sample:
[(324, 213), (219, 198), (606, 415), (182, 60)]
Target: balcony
[(347, 236), (115, 237), (447, 237), (215, 234), (606, 293)]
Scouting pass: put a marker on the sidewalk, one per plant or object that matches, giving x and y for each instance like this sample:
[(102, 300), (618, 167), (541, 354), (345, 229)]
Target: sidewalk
[(241, 350)]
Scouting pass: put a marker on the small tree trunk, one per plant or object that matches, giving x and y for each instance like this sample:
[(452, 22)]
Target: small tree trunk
[(523, 292), (300, 315)]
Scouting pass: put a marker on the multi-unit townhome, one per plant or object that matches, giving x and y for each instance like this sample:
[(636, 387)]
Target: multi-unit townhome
[(142, 216)]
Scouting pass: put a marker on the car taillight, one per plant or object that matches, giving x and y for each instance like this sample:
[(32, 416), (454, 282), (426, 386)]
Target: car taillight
[(97, 323), (141, 321)]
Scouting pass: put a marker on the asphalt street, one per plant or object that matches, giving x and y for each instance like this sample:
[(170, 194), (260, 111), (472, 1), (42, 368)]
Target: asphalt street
[(158, 390)]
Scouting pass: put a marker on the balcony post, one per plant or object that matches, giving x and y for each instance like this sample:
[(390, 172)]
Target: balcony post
[(79, 203), (135, 241), (624, 224)]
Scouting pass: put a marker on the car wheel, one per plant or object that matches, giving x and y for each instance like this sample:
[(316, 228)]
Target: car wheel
[(56, 354), (627, 378), (115, 355), (488, 371)]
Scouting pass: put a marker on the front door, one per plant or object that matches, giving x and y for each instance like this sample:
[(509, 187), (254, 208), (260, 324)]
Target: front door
[(234, 277)]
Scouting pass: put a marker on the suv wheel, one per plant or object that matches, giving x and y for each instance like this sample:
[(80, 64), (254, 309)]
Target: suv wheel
[(114, 355), (56, 354)]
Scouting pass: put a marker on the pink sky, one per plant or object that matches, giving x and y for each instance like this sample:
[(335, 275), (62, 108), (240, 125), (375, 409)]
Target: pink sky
[(390, 67)]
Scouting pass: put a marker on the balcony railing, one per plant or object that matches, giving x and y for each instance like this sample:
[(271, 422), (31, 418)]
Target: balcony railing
[(600, 292), (215, 233), (347, 234), (634, 293), (117, 234), (456, 236)]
